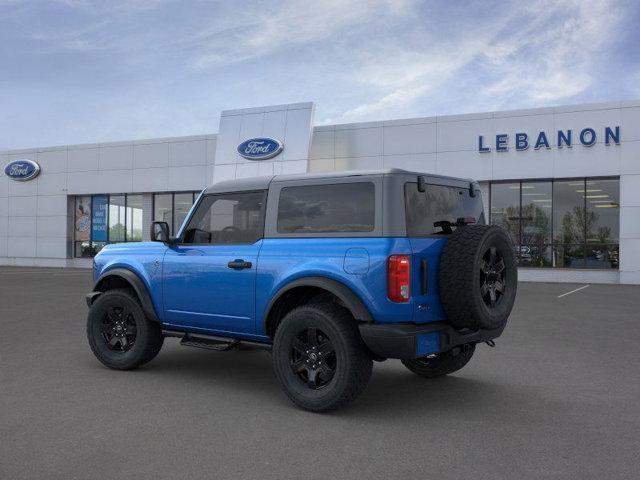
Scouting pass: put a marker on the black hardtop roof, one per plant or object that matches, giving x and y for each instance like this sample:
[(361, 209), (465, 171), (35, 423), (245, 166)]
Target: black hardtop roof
[(262, 183)]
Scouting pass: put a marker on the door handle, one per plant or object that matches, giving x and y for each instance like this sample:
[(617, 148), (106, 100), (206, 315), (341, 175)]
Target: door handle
[(239, 264)]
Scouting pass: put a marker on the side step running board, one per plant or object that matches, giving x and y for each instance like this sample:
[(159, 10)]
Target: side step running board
[(212, 342), (208, 343)]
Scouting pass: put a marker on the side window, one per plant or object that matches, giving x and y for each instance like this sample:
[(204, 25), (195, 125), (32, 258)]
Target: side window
[(342, 207), (233, 218)]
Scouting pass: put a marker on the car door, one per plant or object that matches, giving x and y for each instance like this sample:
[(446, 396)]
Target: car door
[(209, 275)]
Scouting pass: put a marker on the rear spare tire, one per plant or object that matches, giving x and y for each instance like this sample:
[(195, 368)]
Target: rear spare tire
[(478, 277)]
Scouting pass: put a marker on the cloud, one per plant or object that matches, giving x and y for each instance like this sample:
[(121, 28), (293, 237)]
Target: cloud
[(542, 53), (555, 63), (265, 31), (84, 71), (397, 98), (404, 77)]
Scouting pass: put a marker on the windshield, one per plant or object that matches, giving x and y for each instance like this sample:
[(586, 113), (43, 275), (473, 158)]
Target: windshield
[(436, 204)]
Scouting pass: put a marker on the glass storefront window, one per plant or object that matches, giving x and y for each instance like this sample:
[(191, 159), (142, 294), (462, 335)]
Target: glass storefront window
[(82, 226), (181, 205), (134, 218), (505, 209), (564, 223), (603, 223), (568, 256), (103, 219), (568, 212), (163, 209), (535, 250), (173, 208), (603, 211), (117, 218)]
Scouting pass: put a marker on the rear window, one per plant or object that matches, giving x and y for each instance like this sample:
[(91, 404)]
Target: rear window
[(342, 207), (436, 204)]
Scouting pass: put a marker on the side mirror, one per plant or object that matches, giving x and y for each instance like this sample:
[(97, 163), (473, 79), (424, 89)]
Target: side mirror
[(160, 232)]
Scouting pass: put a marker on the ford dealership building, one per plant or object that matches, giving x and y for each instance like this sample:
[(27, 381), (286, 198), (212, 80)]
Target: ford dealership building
[(564, 181)]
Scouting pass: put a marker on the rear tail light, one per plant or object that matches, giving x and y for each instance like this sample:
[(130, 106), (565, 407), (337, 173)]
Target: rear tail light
[(398, 278)]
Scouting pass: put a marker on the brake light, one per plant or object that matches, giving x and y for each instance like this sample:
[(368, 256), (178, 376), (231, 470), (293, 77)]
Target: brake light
[(398, 278)]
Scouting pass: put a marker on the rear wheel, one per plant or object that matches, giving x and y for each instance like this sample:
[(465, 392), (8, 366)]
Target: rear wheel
[(119, 333), (319, 357), (441, 364)]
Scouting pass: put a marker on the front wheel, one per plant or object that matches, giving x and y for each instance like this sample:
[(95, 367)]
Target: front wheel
[(119, 333), (441, 364), (320, 358)]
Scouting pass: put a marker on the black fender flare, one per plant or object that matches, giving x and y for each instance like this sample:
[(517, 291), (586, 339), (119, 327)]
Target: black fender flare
[(347, 296), (135, 282)]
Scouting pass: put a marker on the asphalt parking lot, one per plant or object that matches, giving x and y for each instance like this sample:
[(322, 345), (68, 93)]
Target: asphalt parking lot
[(557, 398)]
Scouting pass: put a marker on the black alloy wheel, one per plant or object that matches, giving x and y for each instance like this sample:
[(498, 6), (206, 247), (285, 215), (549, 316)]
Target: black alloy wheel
[(119, 329), (319, 357), (313, 357), (119, 333), (492, 281)]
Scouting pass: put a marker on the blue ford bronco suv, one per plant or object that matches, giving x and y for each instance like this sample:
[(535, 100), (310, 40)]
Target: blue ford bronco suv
[(329, 272)]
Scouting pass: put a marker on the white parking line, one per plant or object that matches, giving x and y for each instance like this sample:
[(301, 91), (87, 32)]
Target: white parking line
[(573, 291)]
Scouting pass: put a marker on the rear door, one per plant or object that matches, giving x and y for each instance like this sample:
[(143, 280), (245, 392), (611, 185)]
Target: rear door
[(209, 277), (445, 202)]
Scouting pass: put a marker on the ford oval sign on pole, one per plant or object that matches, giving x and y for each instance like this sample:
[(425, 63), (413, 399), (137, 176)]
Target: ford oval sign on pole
[(22, 170), (260, 148)]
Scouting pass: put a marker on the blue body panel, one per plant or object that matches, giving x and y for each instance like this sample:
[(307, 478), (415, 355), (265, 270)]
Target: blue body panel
[(193, 289), (284, 260), (143, 259), (201, 291), (427, 308)]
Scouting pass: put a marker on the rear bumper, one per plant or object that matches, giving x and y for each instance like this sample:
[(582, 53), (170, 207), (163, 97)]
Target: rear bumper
[(408, 340)]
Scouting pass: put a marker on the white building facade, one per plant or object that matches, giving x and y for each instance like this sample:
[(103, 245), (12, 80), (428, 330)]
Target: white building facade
[(564, 181)]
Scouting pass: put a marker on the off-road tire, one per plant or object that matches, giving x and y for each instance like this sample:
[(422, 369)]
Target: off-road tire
[(353, 363), (462, 267), (442, 364), (148, 336)]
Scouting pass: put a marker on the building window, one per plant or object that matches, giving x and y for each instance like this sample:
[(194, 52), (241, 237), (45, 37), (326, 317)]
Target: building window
[(82, 227), (181, 205), (505, 208), (117, 218), (603, 223), (535, 224), (564, 223), (102, 219), (163, 208), (173, 208), (134, 218)]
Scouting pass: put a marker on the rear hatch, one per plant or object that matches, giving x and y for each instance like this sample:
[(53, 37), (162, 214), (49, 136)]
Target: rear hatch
[(433, 210)]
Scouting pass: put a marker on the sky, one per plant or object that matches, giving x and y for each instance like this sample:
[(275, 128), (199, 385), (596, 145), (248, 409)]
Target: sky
[(80, 71)]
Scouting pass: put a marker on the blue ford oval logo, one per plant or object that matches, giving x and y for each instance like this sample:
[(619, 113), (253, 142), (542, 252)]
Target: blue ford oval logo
[(260, 148), (22, 170)]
